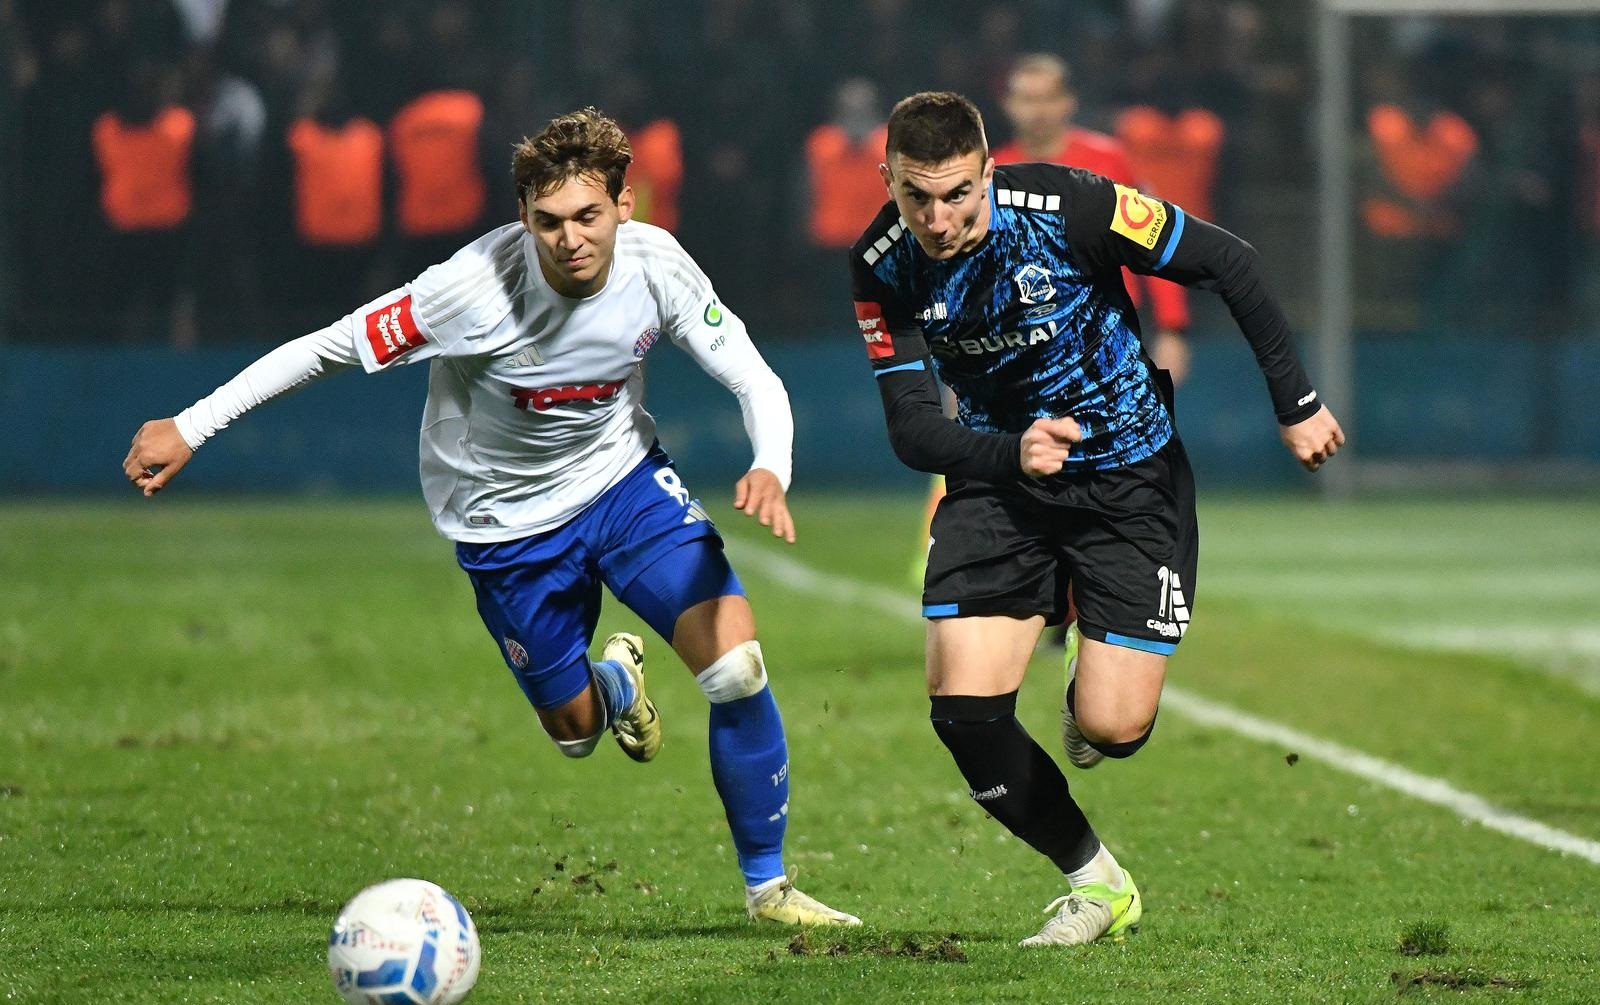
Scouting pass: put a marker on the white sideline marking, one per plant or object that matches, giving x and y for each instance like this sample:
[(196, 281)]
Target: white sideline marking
[(804, 579), (1424, 787)]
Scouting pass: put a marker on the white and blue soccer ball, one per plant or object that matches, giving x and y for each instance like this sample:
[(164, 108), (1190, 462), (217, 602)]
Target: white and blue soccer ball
[(403, 942)]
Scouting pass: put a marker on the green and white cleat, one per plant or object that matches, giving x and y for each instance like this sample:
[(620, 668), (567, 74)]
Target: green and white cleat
[(1091, 913), (783, 904), (638, 730), (1079, 752)]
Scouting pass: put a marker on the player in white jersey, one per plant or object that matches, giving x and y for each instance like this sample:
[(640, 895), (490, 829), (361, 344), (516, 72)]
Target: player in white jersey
[(539, 460)]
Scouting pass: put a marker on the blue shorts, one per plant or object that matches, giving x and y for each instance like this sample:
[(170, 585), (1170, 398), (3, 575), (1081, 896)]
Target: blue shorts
[(653, 547)]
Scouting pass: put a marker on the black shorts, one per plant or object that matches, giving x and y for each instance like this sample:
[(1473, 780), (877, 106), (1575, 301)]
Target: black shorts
[(1126, 539)]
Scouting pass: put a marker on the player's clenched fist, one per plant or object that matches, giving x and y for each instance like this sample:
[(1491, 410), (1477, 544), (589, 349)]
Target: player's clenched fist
[(158, 453), (1313, 440), (1046, 444)]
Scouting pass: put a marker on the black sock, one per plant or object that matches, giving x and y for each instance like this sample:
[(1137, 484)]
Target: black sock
[(1012, 777)]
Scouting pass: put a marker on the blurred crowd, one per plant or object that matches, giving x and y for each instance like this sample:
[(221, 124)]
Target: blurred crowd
[(208, 171)]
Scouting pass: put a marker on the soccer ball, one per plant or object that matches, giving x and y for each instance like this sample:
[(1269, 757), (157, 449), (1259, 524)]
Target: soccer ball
[(403, 942)]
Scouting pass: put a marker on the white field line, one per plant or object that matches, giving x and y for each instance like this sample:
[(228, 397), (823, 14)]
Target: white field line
[(1386, 773), (805, 579)]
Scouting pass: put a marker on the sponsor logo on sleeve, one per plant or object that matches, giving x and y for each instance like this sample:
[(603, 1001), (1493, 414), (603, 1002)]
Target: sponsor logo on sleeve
[(1139, 218), (869, 318), (713, 313), (392, 331)]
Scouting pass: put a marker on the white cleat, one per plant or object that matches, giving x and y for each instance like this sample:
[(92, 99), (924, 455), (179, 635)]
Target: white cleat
[(785, 905), (1079, 752), (1091, 913), (638, 729)]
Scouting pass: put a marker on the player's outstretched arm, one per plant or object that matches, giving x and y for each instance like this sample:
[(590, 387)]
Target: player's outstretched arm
[(1113, 225), (163, 446), (1210, 256), (718, 341)]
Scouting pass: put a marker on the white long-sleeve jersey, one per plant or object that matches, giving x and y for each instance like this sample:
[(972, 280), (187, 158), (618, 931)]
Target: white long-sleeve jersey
[(535, 401)]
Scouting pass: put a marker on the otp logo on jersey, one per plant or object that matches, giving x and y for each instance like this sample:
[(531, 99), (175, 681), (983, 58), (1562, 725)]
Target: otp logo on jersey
[(545, 398), (869, 318), (392, 332)]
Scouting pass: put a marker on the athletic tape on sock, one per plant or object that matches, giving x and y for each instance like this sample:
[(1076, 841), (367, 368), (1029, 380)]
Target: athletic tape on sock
[(737, 673)]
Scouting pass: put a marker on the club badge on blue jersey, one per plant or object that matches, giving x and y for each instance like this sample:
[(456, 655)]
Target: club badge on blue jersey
[(516, 654)]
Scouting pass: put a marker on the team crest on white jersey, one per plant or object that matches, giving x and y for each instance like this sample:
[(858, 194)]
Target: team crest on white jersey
[(1034, 285), (646, 339)]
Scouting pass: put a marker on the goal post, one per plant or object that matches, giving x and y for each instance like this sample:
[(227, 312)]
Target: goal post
[(1335, 351)]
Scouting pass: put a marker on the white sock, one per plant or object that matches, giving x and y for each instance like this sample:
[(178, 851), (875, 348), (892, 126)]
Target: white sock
[(579, 748), (753, 893), (1103, 868)]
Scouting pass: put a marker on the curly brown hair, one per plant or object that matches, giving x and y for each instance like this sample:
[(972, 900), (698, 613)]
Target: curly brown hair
[(575, 145)]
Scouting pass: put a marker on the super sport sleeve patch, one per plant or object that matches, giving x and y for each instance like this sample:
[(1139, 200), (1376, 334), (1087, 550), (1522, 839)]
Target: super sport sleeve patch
[(893, 337), (392, 331), (874, 329)]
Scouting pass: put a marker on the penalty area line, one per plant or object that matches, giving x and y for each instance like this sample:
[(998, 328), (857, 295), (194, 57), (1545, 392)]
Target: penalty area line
[(845, 591)]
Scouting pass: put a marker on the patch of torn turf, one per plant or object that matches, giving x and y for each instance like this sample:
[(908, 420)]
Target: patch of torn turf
[(1456, 981), (944, 950)]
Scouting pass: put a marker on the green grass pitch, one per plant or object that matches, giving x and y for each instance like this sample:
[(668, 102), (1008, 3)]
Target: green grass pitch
[(218, 720)]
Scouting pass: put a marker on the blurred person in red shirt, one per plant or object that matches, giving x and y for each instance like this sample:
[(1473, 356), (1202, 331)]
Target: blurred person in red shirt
[(842, 158), (1040, 103), (842, 187)]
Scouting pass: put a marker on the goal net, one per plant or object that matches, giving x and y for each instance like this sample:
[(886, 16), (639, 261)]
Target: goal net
[(1458, 149)]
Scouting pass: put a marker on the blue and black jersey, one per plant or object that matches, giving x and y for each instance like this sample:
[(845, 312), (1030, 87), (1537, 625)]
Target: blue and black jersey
[(1036, 322)]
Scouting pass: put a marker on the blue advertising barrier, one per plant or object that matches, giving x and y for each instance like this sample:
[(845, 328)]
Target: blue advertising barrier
[(70, 412)]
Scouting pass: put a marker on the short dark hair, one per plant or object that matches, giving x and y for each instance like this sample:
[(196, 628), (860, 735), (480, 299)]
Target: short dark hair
[(934, 126), (578, 144)]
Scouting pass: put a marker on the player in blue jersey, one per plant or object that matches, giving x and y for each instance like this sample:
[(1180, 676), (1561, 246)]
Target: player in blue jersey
[(1064, 462)]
